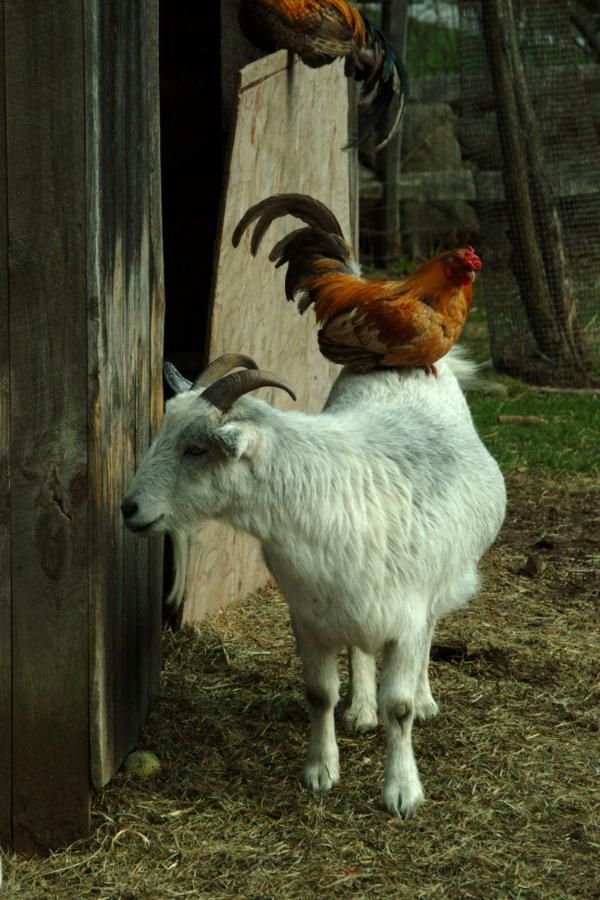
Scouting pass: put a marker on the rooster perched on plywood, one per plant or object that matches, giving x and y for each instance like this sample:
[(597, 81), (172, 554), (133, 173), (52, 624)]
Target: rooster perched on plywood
[(365, 324), (320, 31)]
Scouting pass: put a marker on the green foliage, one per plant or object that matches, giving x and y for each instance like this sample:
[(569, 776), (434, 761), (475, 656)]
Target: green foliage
[(431, 49)]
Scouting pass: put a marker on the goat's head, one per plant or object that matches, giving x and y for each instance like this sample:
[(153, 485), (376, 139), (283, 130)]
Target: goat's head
[(203, 451)]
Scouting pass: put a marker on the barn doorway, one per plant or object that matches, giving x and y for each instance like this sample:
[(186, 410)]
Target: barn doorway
[(193, 153)]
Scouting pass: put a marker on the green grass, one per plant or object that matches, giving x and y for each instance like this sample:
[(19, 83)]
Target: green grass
[(567, 442)]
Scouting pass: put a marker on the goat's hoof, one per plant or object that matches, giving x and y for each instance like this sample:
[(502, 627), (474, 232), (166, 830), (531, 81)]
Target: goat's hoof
[(425, 708), (403, 802), (320, 777), (360, 718)]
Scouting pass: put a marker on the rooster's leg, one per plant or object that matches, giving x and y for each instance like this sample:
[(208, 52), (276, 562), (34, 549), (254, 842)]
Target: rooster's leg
[(431, 370)]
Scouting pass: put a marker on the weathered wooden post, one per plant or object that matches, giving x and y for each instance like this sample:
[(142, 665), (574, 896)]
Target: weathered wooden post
[(394, 23), (535, 228), (81, 310)]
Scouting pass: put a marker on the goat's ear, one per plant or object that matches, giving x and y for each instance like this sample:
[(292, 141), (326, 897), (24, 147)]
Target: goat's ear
[(234, 439), (175, 379)]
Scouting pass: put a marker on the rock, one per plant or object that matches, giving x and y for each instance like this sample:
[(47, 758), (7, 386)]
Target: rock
[(142, 763)]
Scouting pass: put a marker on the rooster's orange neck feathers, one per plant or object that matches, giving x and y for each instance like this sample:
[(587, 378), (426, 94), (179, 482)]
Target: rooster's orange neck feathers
[(304, 8), (336, 292)]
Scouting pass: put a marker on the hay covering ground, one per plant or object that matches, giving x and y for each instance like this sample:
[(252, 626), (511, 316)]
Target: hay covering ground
[(510, 766)]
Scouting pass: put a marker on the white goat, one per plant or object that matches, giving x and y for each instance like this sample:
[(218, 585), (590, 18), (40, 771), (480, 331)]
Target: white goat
[(373, 516)]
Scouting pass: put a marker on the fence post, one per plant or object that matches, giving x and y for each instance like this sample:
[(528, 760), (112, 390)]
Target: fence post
[(394, 20)]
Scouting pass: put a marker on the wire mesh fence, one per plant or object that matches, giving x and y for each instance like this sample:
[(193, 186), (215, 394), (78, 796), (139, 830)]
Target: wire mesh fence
[(536, 161), (500, 147)]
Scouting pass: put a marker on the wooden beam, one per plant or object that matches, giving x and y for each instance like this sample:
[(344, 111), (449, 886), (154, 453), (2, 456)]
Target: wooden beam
[(153, 289), (530, 272), (353, 168), (453, 184), (463, 184), (156, 314), (124, 363), (81, 322), (394, 26), (5, 524), (48, 338), (545, 206), (446, 88)]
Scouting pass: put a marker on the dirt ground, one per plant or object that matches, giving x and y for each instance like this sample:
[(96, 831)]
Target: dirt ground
[(510, 766)]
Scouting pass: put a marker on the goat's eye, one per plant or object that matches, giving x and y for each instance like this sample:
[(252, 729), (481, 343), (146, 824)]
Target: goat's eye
[(193, 450)]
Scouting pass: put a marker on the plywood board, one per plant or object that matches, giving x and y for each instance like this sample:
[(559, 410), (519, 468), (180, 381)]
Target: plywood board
[(290, 126), (5, 530)]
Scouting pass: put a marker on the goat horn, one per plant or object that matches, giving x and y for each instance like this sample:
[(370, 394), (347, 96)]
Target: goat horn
[(221, 366), (224, 392)]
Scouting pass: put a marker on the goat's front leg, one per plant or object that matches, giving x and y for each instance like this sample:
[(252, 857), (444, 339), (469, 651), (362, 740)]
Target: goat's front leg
[(425, 707), (321, 681), (361, 714), (402, 660)]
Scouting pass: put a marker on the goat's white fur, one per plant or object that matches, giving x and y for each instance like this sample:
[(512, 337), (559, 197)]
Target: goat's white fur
[(373, 516)]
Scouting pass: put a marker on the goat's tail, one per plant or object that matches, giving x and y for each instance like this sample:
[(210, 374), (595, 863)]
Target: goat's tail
[(468, 372), (310, 253), (180, 542)]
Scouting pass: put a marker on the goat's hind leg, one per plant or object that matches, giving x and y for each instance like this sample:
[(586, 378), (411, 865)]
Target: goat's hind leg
[(402, 662), (321, 680), (361, 714), (425, 705)]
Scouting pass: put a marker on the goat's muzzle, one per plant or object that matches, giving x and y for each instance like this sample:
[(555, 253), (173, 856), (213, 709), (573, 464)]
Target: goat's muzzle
[(130, 509)]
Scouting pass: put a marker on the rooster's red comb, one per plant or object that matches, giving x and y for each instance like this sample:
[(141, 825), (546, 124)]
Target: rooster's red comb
[(471, 260)]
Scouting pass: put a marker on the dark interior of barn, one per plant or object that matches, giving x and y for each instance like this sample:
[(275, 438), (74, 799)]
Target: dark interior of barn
[(193, 152), (192, 158)]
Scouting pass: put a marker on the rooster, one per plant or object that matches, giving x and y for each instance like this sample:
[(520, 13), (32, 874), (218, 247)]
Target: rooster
[(365, 324), (320, 31)]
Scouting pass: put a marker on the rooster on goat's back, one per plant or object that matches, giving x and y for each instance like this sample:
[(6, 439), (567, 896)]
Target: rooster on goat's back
[(365, 323)]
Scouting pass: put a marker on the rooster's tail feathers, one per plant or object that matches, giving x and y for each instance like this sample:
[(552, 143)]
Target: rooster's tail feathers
[(303, 247), (383, 77), (313, 212), (305, 250)]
